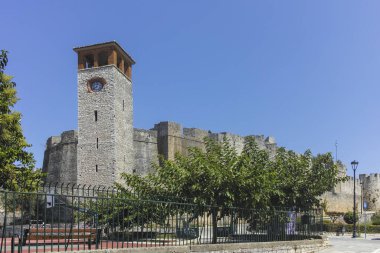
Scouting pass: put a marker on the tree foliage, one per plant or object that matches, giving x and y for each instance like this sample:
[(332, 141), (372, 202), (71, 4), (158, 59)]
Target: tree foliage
[(218, 177), (349, 217), (16, 163), (376, 219)]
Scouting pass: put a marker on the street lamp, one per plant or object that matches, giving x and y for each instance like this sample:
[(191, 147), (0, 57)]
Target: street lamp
[(361, 196), (354, 165)]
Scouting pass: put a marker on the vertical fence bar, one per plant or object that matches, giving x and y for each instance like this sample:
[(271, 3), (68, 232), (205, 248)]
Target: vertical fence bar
[(4, 224), (13, 220), (22, 207), (78, 218)]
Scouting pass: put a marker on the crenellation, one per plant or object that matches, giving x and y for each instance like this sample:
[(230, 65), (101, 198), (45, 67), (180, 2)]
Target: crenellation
[(167, 128), (69, 136), (142, 135), (196, 133), (270, 140), (52, 141)]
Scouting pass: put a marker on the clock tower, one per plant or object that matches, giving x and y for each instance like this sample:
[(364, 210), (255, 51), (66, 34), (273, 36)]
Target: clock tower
[(105, 114)]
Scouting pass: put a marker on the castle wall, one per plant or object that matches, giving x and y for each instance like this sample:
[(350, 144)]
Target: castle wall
[(347, 187), (145, 150), (60, 158), (371, 190), (341, 197), (340, 202), (172, 139), (167, 138)]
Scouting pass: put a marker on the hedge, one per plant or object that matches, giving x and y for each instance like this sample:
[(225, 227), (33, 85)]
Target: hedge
[(335, 227)]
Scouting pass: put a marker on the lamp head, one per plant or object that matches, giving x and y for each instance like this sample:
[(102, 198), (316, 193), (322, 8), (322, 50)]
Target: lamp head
[(354, 164)]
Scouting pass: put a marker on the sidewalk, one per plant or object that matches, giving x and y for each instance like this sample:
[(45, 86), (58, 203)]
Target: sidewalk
[(349, 235)]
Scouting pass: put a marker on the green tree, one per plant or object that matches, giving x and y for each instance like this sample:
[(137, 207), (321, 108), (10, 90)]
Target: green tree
[(349, 217), (218, 178), (376, 219), (16, 163), (214, 179), (303, 178)]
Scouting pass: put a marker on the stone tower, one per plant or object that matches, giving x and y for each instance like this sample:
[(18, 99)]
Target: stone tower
[(105, 114)]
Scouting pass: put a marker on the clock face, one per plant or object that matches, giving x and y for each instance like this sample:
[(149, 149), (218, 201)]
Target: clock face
[(96, 86)]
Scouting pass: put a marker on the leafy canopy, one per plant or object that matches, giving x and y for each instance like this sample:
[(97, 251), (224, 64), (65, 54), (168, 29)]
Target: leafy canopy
[(219, 176), (16, 163)]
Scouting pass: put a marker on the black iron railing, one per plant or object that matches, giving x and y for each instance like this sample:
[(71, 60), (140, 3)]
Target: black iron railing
[(80, 218)]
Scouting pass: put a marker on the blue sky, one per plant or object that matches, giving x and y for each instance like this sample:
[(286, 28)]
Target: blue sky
[(305, 72)]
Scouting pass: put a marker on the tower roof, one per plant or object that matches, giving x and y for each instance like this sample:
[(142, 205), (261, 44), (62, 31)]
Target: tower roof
[(113, 44)]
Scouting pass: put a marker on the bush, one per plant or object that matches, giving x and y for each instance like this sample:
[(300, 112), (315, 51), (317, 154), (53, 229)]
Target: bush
[(375, 219), (327, 222), (334, 227), (349, 217)]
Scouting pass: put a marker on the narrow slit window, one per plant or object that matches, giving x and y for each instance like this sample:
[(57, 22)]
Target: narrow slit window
[(123, 104), (96, 168), (96, 115), (97, 143)]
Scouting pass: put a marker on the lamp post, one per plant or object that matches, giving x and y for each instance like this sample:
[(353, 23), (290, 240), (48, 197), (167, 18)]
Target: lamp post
[(361, 196), (354, 165)]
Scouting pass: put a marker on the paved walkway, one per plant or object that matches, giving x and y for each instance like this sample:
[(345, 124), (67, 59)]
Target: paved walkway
[(347, 244)]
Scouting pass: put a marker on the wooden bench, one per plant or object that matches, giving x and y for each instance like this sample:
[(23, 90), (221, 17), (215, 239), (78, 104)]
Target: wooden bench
[(61, 236)]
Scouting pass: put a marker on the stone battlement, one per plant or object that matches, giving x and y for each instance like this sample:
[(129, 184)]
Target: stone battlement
[(367, 187), (65, 138)]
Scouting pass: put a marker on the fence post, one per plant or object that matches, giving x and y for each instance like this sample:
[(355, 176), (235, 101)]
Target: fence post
[(13, 244), (321, 221), (98, 235), (19, 247), (5, 224)]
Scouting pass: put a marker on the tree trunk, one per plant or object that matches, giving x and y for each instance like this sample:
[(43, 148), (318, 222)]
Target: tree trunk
[(214, 217)]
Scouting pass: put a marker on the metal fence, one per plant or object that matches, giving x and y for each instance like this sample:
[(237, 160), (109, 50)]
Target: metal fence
[(80, 218)]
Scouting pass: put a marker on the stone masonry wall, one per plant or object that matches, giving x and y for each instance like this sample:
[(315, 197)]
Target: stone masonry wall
[(60, 158), (167, 138), (172, 138), (371, 190), (124, 132), (105, 145), (145, 150), (367, 188)]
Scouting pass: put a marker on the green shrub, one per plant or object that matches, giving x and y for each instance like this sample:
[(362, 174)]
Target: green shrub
[(327, 222), (349, 217), (375, 229), (375, 219)]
